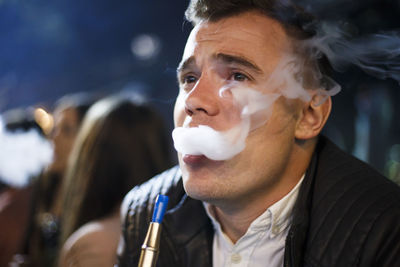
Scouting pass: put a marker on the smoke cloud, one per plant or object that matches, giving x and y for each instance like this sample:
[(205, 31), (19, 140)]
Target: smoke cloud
[(22, 155), (378, 54), (215, 145)]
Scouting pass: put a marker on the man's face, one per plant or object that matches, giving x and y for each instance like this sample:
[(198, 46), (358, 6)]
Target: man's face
[(245, 50)]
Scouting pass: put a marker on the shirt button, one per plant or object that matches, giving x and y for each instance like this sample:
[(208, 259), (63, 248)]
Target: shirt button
[(236, 258), (275, 230)]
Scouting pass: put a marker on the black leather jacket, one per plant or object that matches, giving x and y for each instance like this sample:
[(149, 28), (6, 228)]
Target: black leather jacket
[(346, 214)]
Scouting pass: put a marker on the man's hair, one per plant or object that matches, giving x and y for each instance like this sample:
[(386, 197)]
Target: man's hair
[(293, 18), (298, 24)]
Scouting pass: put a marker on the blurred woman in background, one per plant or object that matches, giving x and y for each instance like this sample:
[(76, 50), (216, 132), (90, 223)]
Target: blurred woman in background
[(42, 236), (121, 144)]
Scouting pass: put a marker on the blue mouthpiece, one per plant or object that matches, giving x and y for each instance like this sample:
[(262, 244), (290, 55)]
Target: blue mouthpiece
[(160, 208)]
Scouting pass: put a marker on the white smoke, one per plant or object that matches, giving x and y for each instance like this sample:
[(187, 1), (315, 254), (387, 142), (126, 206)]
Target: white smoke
[(215, 145), (378, 54), (22, 155)]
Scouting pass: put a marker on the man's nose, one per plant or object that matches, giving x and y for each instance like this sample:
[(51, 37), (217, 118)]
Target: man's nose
[(203, 98)]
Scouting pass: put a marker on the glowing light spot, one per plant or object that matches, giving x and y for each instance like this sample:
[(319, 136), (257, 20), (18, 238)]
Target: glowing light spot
[(146, 46), (44, 119)]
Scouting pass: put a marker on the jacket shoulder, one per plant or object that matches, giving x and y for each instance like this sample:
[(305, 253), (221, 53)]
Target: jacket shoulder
[(137, 209), (143, 195), (350, 202)]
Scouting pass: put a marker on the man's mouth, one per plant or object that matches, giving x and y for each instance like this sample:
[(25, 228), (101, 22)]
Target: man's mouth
[(193, 160)]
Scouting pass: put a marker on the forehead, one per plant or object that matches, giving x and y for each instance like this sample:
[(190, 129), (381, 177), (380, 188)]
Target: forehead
[(252, 35)]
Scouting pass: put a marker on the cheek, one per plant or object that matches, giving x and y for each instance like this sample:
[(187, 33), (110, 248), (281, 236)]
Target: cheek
[(179, 110)]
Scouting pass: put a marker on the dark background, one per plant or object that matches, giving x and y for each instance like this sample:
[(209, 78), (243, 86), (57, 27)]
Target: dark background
[(51, 48)]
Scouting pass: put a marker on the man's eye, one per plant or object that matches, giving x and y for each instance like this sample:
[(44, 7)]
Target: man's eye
[(189, 79), (240, 77)]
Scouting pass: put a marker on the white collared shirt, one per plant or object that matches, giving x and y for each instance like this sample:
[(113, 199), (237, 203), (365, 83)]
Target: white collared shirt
[(264, 242)]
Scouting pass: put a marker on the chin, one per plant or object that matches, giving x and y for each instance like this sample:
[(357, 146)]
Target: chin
[(205, 182), (202, 190), (196, 189)]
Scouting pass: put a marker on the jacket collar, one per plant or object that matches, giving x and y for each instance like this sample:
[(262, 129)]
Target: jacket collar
[(297, 237), (190, 230), (186, 219)]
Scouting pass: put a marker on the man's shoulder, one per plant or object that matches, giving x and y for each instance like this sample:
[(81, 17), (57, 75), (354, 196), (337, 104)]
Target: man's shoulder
[(142, 197), (341, 174), (350, 200)]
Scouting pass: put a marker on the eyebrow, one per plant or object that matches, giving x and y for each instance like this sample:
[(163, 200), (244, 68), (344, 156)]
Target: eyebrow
[(185, 64), (225, 58), (230, 59)]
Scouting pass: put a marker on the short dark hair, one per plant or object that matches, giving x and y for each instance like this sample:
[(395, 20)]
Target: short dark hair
[(293, 18), (298, 24)]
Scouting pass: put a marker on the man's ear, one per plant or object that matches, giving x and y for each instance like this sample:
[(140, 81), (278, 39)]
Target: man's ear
[(313, 117)]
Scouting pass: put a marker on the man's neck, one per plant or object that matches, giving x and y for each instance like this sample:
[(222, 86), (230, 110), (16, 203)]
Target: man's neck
[(235, 224), (236, 215), (236, 219)]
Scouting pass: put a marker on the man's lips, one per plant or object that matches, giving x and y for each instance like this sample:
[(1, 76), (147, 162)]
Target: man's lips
[(194, 159)]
